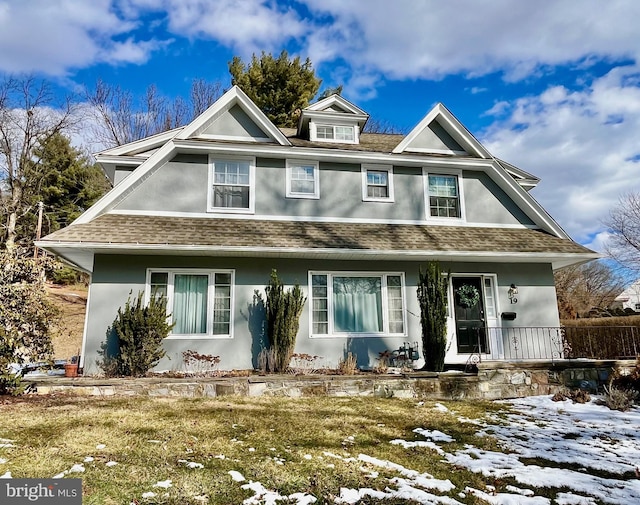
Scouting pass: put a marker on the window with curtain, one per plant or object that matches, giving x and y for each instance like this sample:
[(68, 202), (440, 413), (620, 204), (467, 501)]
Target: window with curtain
[(444, 197), (231, 184), (357, 303), (199, 303)]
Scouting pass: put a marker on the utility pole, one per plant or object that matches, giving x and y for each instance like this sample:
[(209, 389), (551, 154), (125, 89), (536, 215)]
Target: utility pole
[(38, 229)]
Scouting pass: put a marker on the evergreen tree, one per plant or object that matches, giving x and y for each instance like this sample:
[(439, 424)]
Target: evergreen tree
[(72, 183), (432, 298), (28, 118), (68, 183), (283, 309), (280, 86)]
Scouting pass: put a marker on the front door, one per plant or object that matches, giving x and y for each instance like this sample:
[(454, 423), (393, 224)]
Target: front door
[(469, 312)]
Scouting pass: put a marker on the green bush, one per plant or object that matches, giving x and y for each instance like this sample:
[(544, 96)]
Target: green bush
[(134, 340), (27, 317), (283, 309), (432, 298), (67, 276)]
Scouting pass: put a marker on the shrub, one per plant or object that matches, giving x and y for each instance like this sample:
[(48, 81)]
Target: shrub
[(348, 365), (619, 399), (432, 297), (27, 317), (575, 395), (201, 364), (67, 276), (629, 381), (134, 340), (283, 309)]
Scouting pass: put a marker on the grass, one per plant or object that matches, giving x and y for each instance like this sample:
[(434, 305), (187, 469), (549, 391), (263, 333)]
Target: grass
[(149, 437)]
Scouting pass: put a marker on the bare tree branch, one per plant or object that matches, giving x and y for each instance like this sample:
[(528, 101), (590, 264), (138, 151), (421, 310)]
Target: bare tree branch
[(120, 118), (28, 118), (624, 228)]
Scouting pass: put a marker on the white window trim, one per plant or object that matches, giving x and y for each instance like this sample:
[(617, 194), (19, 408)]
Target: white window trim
[(425, 181), (210, 297), (316, 179), (379, 168), (252, 184), (313, 132), (385, 304)]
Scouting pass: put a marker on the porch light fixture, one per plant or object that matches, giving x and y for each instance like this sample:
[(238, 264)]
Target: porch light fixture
[(513, 293)]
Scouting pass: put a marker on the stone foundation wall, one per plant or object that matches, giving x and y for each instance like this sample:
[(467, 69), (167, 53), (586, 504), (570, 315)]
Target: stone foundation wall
[(492, 381)]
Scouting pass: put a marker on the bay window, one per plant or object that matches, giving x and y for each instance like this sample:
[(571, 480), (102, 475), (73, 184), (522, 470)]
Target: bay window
[(357, 303), (198, 302)]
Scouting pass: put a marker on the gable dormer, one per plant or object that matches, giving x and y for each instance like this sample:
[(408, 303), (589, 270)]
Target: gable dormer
[(233, 117), (333, 120), (440, 132)]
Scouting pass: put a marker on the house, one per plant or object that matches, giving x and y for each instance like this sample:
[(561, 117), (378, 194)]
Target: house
[(203, 213), (629, 298)]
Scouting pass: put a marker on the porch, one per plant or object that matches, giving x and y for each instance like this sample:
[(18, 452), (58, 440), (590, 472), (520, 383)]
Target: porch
[(548, 343)]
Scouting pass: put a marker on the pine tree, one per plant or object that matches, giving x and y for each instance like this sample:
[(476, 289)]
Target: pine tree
[(281, 87), (71, 182)]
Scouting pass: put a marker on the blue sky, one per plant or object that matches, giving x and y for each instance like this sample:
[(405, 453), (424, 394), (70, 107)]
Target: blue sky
[(552, 86)]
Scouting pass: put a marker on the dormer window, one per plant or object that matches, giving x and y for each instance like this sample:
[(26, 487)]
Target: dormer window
[(332, 119), (339, 133), (336, 133)]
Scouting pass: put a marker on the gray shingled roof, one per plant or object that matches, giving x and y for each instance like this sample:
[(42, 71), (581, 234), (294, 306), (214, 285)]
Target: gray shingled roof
[(251, 233), (375, 142)]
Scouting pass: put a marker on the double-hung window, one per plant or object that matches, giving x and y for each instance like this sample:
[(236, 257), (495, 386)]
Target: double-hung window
[(200, 303), (302, 179), (443, 196), (232, 184), (377, 183), (357, 303)]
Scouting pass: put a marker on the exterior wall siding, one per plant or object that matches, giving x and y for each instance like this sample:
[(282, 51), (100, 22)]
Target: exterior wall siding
[(181, 186), (116, 276)]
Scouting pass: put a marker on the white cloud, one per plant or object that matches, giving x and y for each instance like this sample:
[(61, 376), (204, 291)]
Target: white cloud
[(248, 26), (54, 36), (581, 143), (409, 39)]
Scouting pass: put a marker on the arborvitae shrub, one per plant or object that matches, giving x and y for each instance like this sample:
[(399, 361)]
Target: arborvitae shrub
[(283, 310), (134, 340), (432, 298)]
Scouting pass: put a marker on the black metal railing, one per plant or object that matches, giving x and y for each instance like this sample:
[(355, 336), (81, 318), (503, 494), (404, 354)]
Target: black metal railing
[(524, 343)]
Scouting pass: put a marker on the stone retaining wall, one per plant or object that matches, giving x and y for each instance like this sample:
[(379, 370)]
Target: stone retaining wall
[(492, 381)]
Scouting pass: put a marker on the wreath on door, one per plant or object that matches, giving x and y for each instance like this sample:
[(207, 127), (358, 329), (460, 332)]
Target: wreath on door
[(468, 296)]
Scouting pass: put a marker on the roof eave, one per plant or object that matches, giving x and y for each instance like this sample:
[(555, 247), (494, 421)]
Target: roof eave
[(78, 253)]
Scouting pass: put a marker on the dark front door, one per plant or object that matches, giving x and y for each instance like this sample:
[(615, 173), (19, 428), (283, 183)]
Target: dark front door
[(469, 312)]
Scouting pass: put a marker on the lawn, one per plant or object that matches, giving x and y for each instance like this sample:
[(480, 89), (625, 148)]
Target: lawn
[(334, 450)]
